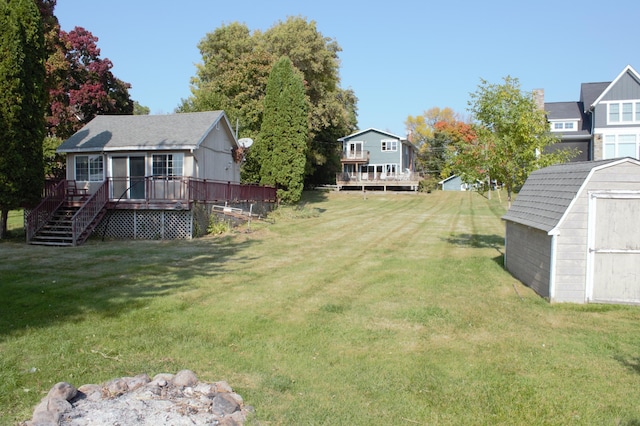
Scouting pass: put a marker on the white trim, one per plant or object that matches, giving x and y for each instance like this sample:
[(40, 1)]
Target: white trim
[(591, 233), (564, 123), (635, 111), (556, 229), (393, 142), (552, 267), (370, 129), (628, 68)]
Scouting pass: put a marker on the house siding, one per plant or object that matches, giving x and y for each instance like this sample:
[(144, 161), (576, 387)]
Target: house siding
[(373, 144), (626, 88), (214, 159), (528, 256)]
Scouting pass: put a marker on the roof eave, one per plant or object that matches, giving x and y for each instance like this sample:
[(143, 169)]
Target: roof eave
[(613, 83)]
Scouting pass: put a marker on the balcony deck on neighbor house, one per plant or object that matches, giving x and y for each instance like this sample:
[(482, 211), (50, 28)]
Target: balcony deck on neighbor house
[(355, 157), (378, 181)]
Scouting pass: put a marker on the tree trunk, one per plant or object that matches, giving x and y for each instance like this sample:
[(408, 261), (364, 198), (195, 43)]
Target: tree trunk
[(4, 215)]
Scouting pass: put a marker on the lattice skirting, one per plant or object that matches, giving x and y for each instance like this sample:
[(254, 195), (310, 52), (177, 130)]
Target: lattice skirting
[(146, 225)]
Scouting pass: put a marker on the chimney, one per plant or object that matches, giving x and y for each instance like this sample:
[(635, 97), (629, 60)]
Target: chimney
[(538, 98)]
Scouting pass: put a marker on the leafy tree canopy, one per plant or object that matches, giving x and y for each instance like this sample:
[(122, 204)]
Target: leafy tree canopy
[(445, 147), (233, 77), (421, 127), (512, 135), (81, 84)]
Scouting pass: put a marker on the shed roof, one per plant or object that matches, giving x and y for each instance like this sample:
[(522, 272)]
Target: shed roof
[(547, 194), (144, 132)]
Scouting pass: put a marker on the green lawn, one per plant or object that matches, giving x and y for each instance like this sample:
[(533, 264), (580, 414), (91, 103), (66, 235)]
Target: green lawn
[(394, 309)]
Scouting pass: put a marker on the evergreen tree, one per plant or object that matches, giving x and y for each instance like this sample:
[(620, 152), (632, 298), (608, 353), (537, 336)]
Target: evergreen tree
[(22, 106), (282, 143), (233, 75)]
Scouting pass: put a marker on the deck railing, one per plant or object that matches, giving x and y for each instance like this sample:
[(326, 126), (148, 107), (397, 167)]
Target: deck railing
[(204, 190), (164, 190), (378, 177), (359, 156), (39, 216), (88, 212)]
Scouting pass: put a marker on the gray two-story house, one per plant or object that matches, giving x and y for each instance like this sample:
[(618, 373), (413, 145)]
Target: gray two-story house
[(374, 159), (604, 123)]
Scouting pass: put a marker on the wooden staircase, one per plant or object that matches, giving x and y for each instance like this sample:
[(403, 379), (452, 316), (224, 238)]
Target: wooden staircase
[(67, 215), (58, 231)]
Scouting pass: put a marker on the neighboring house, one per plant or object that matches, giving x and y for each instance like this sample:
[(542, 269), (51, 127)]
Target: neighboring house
[(572, 233), (455, 183), (373, 159), (149, 172), (604, 123)]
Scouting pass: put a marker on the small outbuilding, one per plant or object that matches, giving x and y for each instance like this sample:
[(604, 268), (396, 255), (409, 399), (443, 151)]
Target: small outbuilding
[(453, 183), (573, 232)]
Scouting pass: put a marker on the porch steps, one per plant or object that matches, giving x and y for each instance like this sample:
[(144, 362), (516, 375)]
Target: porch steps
[(58, 230)]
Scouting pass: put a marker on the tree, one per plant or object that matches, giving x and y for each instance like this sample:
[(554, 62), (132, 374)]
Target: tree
[(446, 147), (140, 109), (421, 127), (81, 84), (233, 77), (512, 134), (282, 144), (22, 103)]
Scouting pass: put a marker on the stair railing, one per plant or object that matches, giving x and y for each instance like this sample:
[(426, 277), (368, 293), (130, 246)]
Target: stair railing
[(40, 215), (85, 216)]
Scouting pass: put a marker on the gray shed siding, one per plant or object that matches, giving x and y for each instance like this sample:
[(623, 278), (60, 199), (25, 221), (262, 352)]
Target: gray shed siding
[(572, 238), (529, 262)]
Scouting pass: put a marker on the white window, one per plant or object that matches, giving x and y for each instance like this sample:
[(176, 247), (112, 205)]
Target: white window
[(614, 113), (167, 165), (389, 145), (623, 112), (354, 150), (616, 146), (560, 126), (89, 168)]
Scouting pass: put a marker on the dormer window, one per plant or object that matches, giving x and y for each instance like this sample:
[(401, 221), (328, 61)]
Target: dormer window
[(564, 126)]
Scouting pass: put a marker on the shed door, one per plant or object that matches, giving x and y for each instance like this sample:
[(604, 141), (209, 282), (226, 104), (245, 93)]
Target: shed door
[(615, 249)]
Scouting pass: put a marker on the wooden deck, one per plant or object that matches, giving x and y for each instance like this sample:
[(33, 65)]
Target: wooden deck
[(370, 181)]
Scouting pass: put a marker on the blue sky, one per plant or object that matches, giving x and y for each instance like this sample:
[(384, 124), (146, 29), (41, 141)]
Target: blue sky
[(400, 57)]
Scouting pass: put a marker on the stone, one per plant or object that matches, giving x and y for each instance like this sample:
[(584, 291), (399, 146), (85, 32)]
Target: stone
[(224, 405), (223, 387), (62, 390), (115, 387), (185, 378), (181, 400), (90, 392)]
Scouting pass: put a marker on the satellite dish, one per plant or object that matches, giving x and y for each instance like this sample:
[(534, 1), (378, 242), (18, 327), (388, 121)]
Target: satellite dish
[(245, 142)]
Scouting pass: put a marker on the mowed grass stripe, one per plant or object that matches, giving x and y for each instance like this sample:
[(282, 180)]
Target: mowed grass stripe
[(389, 309)]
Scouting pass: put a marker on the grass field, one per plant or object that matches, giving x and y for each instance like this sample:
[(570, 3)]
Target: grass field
[(394, 309)]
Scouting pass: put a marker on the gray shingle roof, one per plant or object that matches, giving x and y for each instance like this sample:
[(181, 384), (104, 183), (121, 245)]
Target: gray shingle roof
[(589, 92), (547, 193), (569, 111), (142, 132)]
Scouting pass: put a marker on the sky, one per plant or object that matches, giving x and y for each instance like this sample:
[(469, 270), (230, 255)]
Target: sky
[(400, 57)]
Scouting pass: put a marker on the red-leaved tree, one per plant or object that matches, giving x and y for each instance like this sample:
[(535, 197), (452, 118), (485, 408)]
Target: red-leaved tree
[(81, 84)]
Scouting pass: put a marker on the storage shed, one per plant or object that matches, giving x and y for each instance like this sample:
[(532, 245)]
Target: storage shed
[(573, 232)]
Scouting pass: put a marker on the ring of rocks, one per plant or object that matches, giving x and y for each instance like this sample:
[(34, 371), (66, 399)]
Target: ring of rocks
[(167, 399)]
